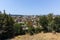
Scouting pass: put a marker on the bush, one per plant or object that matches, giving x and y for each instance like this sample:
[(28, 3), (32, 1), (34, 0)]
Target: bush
[(18, 29), (38, 29), (31, 30)]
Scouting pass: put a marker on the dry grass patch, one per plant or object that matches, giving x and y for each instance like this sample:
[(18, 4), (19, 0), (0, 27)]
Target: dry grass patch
[(40, 36)]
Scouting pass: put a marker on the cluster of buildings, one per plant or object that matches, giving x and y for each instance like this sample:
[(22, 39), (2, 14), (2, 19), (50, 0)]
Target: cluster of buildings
[(27, 20)]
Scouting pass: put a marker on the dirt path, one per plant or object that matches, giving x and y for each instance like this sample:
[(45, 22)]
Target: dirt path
[(40, 36)]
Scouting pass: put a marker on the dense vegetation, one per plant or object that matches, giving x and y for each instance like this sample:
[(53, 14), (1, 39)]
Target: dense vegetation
[(8, 28)]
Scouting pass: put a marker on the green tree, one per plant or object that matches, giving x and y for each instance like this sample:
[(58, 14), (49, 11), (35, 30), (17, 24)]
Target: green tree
[(44, 23), (18, 29), (50, 22), (57, 24), (31, 30), (6, 25)]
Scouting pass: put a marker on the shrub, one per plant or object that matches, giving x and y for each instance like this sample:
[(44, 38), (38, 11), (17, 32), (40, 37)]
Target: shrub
[(31, 30), (18, 29)]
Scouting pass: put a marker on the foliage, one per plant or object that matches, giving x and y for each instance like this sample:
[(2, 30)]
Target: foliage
[(50, 22), (6, 26), (44, 22), (18, 29), (31, 30), (38, 29), (57, 24), (9, 28)]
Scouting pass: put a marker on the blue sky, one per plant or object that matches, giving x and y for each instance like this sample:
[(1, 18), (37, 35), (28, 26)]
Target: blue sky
[(30, 7)]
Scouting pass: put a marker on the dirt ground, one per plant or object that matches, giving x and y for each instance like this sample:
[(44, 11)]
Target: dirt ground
[(40, 36)]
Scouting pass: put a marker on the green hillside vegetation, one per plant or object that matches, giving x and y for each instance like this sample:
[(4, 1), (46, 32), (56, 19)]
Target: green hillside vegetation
[(8, 28)]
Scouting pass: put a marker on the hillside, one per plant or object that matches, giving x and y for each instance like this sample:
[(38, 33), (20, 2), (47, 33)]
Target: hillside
[(40, 36)]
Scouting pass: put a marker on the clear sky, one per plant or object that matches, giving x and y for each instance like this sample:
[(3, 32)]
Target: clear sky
[(30, 7)]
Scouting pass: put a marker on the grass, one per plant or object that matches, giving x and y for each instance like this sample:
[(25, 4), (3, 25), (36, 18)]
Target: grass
[(40, 36)]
